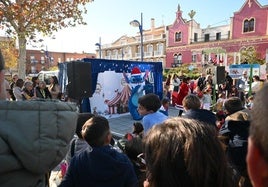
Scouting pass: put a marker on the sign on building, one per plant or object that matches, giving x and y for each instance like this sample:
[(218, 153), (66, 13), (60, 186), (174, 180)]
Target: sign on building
[(236, 70)]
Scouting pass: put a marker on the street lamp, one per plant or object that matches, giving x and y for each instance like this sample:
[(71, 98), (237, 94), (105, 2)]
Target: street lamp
[(47, 56), (136, 23), (99, 46)]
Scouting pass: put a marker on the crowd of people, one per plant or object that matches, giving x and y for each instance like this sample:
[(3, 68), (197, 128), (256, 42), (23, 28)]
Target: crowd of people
[(199, 148), (19, 89), (211, 94)]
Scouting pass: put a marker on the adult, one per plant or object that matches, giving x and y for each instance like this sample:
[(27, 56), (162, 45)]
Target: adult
[(228, 81), (176, 82), (15, 77), (175, 156), (100, 165), (2, 77), (35, 81), (256, 84), (30, 144), (201, 81), (167, 87), (257, 155), (54, 88), (191, 104), (28, 91), (17, 90), (184, 90), (176, 86), (5, 86), (168, 82), (41, 91), (243, 82)]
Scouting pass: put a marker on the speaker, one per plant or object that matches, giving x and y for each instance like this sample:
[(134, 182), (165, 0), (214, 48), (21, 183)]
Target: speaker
[(219, 74), (79, 80)]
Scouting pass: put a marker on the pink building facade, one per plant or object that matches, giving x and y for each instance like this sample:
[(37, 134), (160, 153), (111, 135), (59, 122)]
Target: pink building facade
[(222, 45)]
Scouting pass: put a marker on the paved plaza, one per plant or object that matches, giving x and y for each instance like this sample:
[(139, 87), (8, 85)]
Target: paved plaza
[(121, 124)]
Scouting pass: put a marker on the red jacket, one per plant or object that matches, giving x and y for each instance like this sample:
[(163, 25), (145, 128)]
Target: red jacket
[(183, 91)]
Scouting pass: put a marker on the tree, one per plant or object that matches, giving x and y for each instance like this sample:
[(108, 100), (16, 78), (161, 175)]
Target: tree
[(24, 18), (10, 53), (250, 55)]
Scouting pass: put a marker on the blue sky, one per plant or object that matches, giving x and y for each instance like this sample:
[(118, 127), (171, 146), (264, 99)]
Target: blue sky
[(109, 19)]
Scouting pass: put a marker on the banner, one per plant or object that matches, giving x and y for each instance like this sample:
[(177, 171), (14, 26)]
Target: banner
[(236, 70)]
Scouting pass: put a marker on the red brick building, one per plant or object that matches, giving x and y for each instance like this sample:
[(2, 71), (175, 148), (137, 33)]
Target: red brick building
[(248, 29), (37, 60)]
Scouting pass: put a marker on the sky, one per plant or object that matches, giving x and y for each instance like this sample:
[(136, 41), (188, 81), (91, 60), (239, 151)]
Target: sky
[(108, 20)]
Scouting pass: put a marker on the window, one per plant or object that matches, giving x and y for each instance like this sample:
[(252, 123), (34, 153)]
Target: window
[(195, 37), (206, 37), (178, 37), (32, 59), (218, 36), (249, 25), (150, 48), (42, 60), (139, 49), (194, 57), (160, 47), (177, 60)]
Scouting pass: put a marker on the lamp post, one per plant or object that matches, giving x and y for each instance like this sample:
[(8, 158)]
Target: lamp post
[(47, 56), (99, 46), (136, 23)]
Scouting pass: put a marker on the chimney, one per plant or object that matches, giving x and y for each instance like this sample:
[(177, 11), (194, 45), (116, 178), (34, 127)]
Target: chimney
[(152, 24)]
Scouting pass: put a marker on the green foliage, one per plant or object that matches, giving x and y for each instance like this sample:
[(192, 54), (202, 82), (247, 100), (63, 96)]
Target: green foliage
[(250, 55), (184, 70), (24, 18)]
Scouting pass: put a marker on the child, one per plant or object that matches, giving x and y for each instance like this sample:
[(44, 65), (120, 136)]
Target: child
[(206, 100), (148, 106), (164, 107), (220, 101), (220, 116), (137, 129), (250, 102)]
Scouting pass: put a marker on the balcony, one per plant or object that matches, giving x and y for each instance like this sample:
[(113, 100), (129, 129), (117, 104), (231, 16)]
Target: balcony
[(148, 54), (158, 53), (137, 55)]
